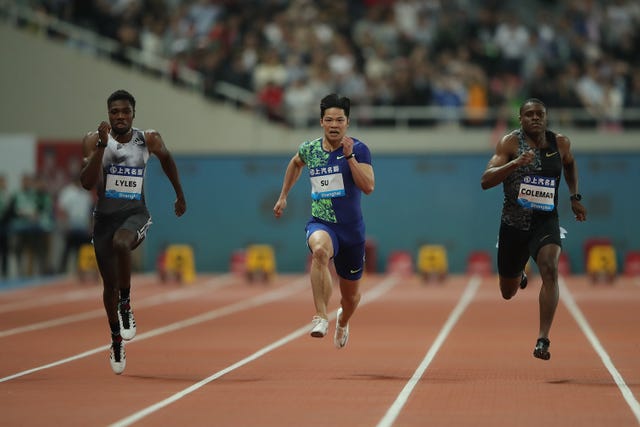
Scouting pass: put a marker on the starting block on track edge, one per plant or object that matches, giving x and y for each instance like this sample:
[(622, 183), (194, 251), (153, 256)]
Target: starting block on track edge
[(601, 263), (177, 263), (260, 262), (87, 263), (432, 262)]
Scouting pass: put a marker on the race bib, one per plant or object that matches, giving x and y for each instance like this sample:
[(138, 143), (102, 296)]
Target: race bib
[(537, 192), (124, 182), (326, 183)]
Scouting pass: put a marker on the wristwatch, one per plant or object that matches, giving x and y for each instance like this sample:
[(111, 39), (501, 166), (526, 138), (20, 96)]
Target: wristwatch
[(100, 144), (577, 197)]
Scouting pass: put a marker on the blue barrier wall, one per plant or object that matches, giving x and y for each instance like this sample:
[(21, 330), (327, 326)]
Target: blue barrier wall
[(418, 199)]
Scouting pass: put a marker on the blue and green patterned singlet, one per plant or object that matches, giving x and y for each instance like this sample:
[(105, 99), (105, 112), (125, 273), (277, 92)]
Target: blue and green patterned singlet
[(334, 195)]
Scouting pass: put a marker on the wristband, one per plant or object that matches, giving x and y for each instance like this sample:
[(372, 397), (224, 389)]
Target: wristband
[(100, 144), (350, 156)]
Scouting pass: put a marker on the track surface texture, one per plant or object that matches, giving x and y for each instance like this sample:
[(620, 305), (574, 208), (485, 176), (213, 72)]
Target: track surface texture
[(225, 352)]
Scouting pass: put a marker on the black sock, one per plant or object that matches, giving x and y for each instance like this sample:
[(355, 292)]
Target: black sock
[(125, 295), (523, 280), (115, 331), (124, 299)]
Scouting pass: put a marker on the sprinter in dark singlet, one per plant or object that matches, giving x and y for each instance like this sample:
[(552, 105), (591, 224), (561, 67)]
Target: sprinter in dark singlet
[(340, 171), (115, 160), (529, 163)]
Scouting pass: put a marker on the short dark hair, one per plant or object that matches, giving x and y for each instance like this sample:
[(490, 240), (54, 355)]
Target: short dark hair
[(532, 101), (335, 101), (121, 95)]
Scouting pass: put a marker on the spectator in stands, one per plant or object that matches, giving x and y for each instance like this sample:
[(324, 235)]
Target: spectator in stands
[(477, 102), (450, 94), (633, 99), (512, 40), (32, 225), (299, 101), (320, 79), (152, 43), (270, 70), (565, 98), (270, 101), (202, 16), (211, 69), (234, 72), (341, 59), (74, 208), (129, 23), (600, 96), (4, 227)]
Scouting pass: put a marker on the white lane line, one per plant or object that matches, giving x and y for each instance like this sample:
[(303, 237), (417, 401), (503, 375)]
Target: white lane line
[(571, 305), (75, 295), (210, 315), (176, 295), (401, 400), (52, 323), (375, 293), (50, 300)]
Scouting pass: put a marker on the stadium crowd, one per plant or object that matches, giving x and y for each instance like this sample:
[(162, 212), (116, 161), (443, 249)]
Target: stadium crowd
[(464, 56)]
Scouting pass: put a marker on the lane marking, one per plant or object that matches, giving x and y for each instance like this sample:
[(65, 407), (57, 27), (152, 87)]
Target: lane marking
[(379, 290), (401, 400), (210, 315), (175, 295), (50, 300), (570, 303), (70, 296)]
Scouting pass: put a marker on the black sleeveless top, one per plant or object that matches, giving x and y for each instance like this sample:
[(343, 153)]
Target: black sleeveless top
[(531, 191)]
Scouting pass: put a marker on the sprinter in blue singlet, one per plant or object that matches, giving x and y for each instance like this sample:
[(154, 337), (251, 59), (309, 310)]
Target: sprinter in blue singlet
[(340, 171)]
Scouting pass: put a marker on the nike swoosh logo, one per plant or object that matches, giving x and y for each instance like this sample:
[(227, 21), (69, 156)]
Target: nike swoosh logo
[(544, 237), (340, 157), (551, 154), (354, 271)]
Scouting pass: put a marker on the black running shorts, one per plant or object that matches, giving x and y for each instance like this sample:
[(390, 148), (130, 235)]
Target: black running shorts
[(516, 246), (105, 227)]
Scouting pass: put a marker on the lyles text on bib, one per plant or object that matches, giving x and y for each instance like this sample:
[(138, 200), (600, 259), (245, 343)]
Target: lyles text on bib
[(124, 182)]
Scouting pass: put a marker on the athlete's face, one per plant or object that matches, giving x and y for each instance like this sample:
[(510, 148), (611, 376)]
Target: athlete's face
[(533, 118), (121, 116), (335, 124)]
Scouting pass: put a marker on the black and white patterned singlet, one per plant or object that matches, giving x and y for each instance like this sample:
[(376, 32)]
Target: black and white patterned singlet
[(531, 191)]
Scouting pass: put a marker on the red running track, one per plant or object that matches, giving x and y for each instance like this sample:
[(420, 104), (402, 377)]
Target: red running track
[(222, 352)]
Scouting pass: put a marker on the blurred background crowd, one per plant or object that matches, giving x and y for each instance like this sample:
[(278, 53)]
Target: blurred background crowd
[(472, 62), (44, 222), (465, 57)]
